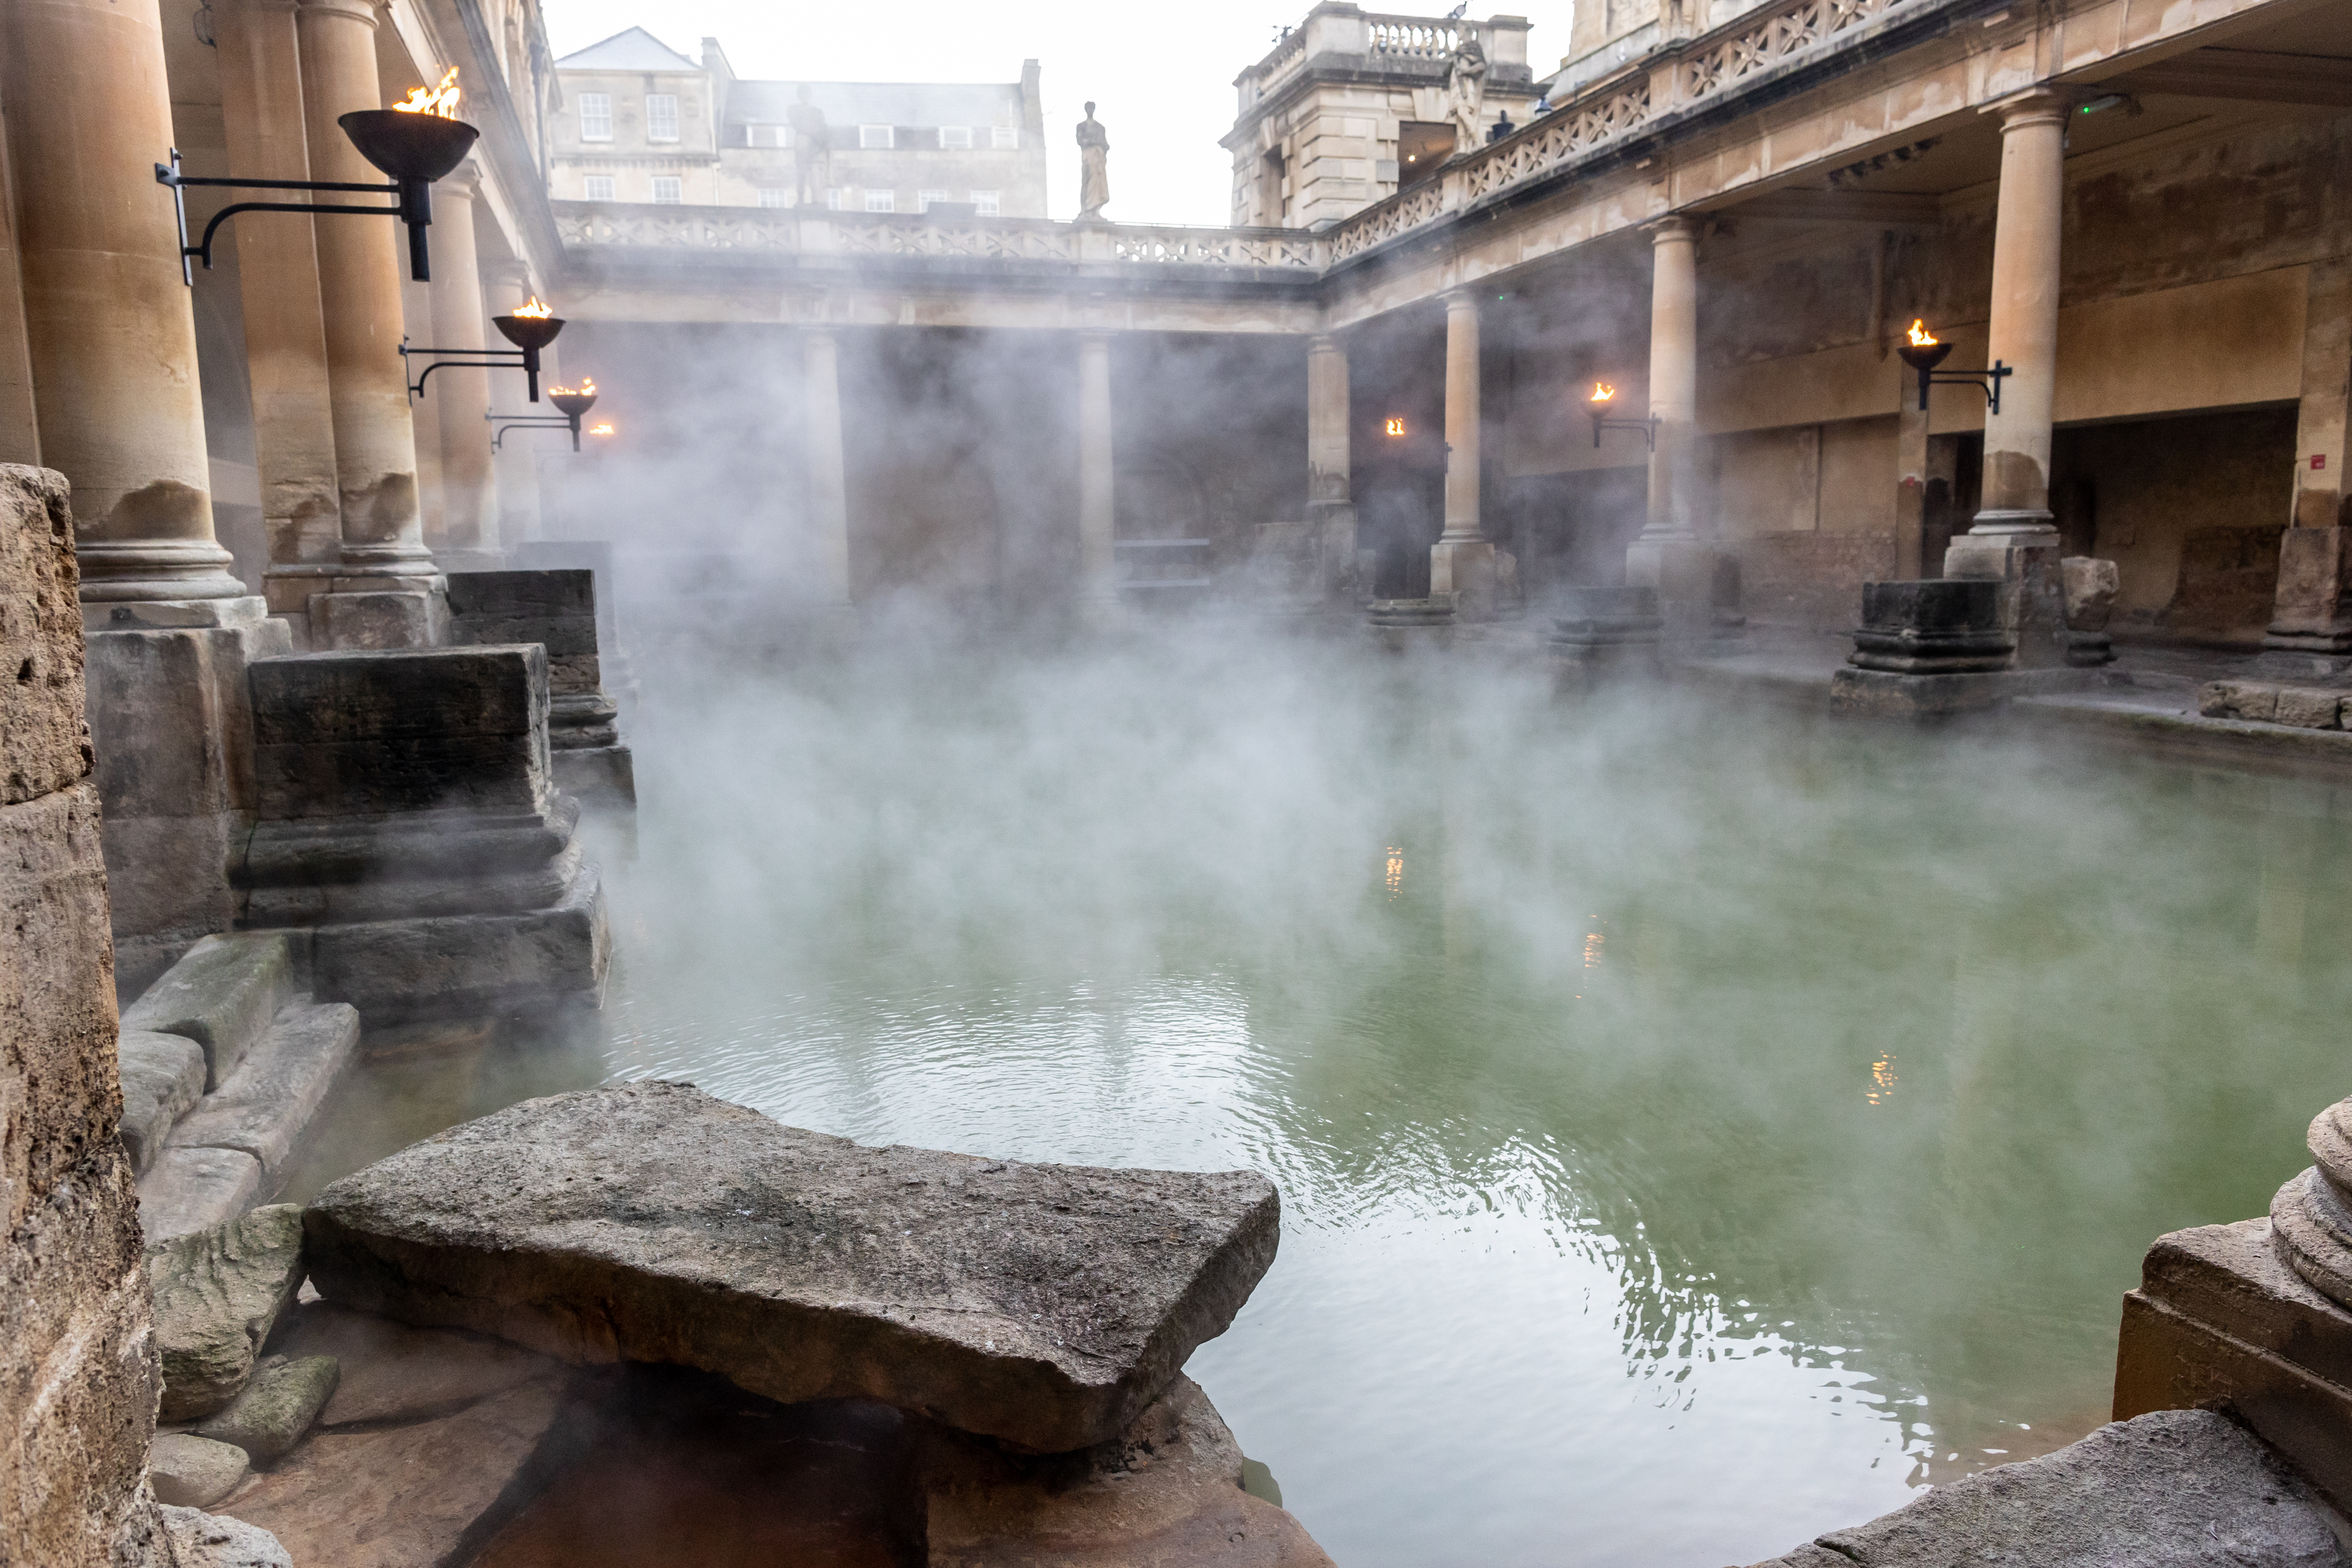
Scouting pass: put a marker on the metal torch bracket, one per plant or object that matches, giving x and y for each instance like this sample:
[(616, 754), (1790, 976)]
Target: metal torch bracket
[(412, 206), (1648, 427)]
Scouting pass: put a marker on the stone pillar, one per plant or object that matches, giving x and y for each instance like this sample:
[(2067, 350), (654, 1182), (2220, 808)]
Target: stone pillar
[(470, 499), (2013, 537), (389, 592), (1330, 491), (284, 331), (1097, 513), (828, 479), (1910, 486), (109, 325), (1669, 555), (2313, 613), (1462, 562)]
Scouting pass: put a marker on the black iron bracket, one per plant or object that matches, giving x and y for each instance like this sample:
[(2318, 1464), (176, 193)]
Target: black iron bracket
[(1648, 427), (413, 206), (524, 360), (1985, 381), (502, 422)]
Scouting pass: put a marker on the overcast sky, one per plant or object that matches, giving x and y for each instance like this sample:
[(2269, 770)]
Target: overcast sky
[(1162, 76)]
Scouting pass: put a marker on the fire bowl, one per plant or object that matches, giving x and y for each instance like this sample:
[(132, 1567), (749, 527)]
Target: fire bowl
[(528, 332), (1923, 356), (409, 146), (573, 404)]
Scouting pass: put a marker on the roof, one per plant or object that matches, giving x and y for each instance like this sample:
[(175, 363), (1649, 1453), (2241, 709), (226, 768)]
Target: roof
[(877, 102), (635, 50)]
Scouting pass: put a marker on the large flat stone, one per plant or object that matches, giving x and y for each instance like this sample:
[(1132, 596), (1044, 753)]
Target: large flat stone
[(218, 1293), (2179, 1488), (1046, 1305), (423, 1495), (162, 1078), (189, 1190), (224, 995), (269, 1101), (189, 1471), (394, 1372)]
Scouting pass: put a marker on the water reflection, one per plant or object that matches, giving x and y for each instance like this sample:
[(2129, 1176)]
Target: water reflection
[(1592, 1252)]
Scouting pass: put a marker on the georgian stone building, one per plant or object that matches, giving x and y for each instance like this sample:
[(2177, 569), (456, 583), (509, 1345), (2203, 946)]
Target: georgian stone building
[(638, 123)]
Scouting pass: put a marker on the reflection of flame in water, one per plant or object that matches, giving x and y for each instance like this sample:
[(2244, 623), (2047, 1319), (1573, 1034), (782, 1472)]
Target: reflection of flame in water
[(1921, 338), (441, 101), (1592, 940), (1882, 1079), (537, 310), (1396, 869)]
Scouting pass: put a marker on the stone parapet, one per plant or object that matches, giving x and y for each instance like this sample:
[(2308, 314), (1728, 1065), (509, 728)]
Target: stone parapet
[(556, 609)]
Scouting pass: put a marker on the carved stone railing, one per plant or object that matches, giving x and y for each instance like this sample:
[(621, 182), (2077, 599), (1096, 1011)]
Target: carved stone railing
[(1762, 42), (1414, 37)]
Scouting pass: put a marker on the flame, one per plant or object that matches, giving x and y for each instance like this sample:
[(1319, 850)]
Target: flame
[(441, 101), (1921, 337), (538, 310), (604, 429), (1601, 391), (1394, 428), (587, 388)]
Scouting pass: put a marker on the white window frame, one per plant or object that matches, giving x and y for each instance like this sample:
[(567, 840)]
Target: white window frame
[(590, 186), (881, 200), (955, 138), (1001, 137), (926, 200), (661, 117), (986, 204), (676, 189), (834, 197), (775, 196), (595, 117), (877, 138)]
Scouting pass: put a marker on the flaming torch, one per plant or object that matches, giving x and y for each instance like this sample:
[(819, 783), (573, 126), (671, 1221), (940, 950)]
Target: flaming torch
[(1601, 393), (1923, 351), (530, 327), (441, 101), (416, 142), (1603, 399), (1393, 428)]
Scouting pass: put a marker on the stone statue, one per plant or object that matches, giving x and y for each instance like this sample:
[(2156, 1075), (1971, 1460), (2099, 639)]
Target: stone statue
[(1094, 157), (1466, 92), (811, 149)]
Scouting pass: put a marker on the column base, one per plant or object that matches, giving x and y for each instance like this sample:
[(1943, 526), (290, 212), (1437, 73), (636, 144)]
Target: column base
[(1399, 624), (1482, 581), (379, 619), (2020, 548), (1697, 583)]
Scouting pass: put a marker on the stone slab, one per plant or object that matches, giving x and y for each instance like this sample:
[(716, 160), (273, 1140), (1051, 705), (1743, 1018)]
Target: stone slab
[(268, 1103), (597, 776), (1165, 1492), (421, 1495), (218, 1294), (189, 1471), (1882, 694), (224, 995), (398, 970), (280, 1401), (210, 1541), (390, 619), (394, 1373), (162, 1078), (44, 738), (190, 1190), (2171, 1489), (1044, 1305)]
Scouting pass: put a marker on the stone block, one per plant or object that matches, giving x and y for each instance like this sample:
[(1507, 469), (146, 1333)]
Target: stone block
[(601, 776), (376, 620), (2307, 707), (556, 609), (2180, 1487), (211, 1540), (267, 1106), (417, 1495), (224, 995), (276, 1407), (392, 1373), (396, 969), (189, 1471), (1043, 1305), (189, 1190), (218, 1294), (1399, 624), (1884, 694), (359, 735), (44, 738), (1940, 625), (2253, 700), (60, 1093), (162, 1078), (2312, 612), (2090, 585)]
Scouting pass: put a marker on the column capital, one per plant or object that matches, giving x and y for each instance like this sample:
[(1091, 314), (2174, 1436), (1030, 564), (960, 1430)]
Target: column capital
[(365, 11), (1462, 297), (2042, 105), (463, 183), (1674, 228), (1324, 343)]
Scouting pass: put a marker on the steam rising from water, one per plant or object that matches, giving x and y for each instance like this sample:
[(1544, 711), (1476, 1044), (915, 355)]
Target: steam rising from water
[(1694, 1123)]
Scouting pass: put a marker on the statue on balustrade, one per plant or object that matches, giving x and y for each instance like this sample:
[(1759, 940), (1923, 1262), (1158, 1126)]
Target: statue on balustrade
[(811, 149), (1093, 176), (1465, 93)]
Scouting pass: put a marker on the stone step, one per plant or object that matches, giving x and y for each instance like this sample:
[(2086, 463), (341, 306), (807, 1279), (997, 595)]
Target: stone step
[(224, 994)]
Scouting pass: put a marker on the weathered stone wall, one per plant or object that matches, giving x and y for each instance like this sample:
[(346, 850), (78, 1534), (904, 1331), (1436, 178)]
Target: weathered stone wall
[(78, 1365)]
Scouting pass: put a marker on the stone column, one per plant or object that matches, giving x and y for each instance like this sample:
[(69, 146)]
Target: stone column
[(388, 594), (284, 331), (2312, 618), (1462, 562), (828, 482), (111, 328), (1330, 491), (2013, 537), (1097, 513), (469, 501), (1910, 484), (1669, 555)]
